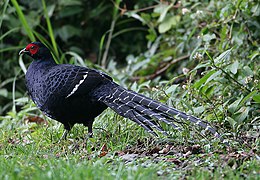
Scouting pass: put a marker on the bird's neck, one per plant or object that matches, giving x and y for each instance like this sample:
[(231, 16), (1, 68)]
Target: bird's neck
[(42, 64)]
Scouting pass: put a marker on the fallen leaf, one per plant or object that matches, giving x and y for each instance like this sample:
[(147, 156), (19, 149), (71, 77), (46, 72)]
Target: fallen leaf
[(103, 151), (174, 160), (36, 119), (166, 149)]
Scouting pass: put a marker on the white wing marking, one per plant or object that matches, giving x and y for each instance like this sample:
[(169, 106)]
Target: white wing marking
[(77, 85)]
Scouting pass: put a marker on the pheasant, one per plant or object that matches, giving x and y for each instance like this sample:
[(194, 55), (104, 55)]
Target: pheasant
[(73, 94)]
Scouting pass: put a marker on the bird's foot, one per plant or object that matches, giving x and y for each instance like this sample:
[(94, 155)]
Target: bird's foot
[(90, 135)]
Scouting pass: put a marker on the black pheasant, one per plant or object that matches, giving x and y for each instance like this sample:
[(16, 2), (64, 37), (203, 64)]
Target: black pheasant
[(72, 94)]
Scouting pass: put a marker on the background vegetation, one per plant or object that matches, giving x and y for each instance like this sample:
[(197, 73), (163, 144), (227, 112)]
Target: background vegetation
[(201, 57)]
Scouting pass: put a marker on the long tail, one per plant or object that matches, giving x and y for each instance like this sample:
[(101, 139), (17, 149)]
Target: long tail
[(148, 113)]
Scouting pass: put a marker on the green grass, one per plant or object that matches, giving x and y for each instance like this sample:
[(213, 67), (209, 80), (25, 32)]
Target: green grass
[(30, 151)]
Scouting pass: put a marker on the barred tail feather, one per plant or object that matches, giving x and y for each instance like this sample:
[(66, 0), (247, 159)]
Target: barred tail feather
[(150, 122), (127, 112), (144, 110), (151, 113), (121, 100), (145, 101)]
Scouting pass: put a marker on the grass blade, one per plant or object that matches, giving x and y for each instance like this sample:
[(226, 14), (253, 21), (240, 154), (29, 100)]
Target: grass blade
[(23, 20), (51, 34)]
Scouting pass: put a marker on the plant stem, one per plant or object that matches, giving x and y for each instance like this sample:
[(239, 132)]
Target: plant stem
[(104, 58)]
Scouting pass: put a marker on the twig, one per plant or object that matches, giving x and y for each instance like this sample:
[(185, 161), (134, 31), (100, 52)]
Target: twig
[(123, 10), (230, 77), (160, 71), (138, 10)]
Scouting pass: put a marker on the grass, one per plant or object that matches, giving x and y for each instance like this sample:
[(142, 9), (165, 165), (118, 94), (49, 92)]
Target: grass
[(53, 168), (119, 150)]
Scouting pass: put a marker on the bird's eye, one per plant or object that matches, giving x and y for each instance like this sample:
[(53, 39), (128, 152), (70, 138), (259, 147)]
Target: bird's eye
[(32, 47)]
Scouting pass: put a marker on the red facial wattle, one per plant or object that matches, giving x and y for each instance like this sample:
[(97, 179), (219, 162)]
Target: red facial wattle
[(32, 48)]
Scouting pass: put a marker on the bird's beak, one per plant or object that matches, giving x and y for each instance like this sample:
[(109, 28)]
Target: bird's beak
[(23, 51)]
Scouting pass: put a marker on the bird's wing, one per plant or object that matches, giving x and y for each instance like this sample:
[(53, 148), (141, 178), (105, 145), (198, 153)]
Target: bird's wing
[(74, 80)]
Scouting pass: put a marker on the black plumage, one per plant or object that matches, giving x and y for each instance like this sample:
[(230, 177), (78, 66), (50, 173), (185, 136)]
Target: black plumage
[(72, 94)]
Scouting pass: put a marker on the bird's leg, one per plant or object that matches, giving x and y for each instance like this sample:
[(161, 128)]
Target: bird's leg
[(90, 129), (90, 132)]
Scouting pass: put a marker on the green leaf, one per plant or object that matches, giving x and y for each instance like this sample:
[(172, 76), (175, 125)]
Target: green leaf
[(151, 36), (223, 56), (209, 89), (234, 106), (3, 92), (70, 11), (136, 16), (233, 68), (208, 37), (256, 98), (67, 31), (243, 113), (164, 26), (171, 89), (77, 58), (22, 100), (248, 96), (203, 79), (168, 23), (50, 10), (201, 65), (70, 2), (248, 71), (213, 76), (164, 11), (232, 122)]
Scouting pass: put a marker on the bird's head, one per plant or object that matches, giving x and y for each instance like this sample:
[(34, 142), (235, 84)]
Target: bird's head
[(36, 50)]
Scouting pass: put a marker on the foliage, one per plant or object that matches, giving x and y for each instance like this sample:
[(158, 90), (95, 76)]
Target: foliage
[(199, 56)]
